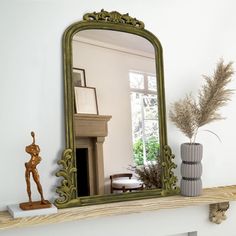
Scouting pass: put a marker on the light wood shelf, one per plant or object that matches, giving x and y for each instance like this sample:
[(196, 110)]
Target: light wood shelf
[(209, 196)]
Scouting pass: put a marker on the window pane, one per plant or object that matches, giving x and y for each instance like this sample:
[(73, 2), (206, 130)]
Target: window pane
[(145, 130), (152, 83), (151, 129), (136, 109), (152, 149), (150, 106), (136, 80)]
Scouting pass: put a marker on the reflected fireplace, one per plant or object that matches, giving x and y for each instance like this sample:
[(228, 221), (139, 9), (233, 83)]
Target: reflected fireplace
[(90, 133), (82, 165)]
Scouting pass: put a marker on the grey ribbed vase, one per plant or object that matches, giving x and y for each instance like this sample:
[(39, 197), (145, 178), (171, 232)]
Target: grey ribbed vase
[(191, 169)]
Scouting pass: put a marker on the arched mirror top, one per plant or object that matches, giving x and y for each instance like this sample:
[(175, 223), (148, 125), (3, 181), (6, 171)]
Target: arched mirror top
[(111, 21), (70, 189)]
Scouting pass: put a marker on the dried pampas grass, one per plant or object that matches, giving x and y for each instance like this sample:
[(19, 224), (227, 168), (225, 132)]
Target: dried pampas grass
[(189, 115), (149, 175)]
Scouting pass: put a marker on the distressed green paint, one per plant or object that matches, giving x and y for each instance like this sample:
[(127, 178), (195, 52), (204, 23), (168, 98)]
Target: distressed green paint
[(67, 190)]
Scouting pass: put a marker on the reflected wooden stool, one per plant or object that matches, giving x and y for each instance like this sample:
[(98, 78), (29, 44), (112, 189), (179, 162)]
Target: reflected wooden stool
[(124, 182)]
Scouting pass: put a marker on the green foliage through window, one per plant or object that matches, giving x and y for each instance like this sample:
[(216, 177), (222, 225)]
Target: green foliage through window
[(152, 150)]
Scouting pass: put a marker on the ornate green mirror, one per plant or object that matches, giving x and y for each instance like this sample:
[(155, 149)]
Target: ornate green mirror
[(115, 118)]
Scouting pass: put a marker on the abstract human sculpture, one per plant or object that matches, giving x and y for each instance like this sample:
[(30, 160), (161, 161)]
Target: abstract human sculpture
[(30, 168)]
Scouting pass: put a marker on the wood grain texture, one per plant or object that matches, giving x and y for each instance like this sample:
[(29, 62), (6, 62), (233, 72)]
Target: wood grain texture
[(209, 196)]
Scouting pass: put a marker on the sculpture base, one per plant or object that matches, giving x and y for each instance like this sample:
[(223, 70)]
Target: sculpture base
[(16, 212), (34, 205)]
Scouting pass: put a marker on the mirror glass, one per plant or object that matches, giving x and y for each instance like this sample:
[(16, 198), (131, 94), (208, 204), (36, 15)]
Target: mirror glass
[(115, 113)]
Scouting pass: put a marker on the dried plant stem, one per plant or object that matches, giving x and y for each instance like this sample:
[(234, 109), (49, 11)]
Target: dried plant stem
[(195, 136)]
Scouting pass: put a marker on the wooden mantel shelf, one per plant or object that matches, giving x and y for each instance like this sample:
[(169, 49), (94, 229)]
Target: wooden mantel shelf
[(209, 196)]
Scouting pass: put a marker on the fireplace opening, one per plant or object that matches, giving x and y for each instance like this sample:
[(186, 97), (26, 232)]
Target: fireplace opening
[(82, 166)]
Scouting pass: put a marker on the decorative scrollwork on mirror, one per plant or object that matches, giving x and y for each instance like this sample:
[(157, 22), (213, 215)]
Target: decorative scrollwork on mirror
[(69, 188)]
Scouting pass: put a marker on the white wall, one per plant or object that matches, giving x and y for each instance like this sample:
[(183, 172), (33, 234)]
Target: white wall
[(194, 34), (108, 71)]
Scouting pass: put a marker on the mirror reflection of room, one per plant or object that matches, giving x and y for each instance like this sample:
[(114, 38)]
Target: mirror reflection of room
[(116, 133)]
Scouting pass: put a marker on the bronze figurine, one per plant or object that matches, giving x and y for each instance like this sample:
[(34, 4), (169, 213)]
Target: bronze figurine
[(30, 168)]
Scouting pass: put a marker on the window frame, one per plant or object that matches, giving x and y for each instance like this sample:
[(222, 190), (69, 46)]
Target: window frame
[(144, 91)]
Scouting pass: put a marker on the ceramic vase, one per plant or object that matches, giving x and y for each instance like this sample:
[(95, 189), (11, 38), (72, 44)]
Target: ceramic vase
[(191, 169)]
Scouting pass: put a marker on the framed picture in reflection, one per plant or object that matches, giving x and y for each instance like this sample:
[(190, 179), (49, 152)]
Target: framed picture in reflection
[(78, 76), (86, 100)]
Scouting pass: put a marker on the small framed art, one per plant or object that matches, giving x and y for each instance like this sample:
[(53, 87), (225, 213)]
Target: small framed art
[(78, 76), (86, 100)]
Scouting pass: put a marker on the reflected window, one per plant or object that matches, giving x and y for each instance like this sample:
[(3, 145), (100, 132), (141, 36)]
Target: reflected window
[(144, 110), (152, 83), (136, 80)]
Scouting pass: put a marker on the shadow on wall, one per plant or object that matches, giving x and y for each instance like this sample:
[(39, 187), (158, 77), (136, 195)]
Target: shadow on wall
[(185, 234)]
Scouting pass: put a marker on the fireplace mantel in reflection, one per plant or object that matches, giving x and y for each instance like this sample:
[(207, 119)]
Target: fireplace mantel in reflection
[(87, 125), (90, 133)]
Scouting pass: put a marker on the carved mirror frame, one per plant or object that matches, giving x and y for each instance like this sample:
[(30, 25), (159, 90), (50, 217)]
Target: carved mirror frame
[(68, 188)]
